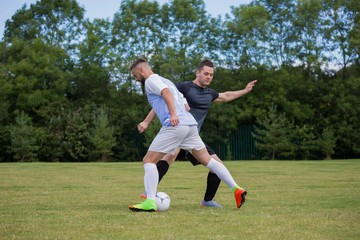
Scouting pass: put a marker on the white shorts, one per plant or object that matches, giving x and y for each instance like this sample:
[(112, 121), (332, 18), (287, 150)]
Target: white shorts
[(170, 138)]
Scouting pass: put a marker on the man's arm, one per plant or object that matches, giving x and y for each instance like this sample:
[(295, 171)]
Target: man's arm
[(144, 124), (232, 95), (169, 99)]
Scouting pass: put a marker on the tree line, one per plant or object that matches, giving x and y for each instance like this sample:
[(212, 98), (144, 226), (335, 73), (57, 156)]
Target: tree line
[(66, 93)]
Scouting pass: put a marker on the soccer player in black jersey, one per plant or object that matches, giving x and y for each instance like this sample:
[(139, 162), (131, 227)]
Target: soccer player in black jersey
[(199, 97)]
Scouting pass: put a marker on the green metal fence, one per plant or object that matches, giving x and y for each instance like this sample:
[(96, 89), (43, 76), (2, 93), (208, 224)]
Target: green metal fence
[(240, 146)]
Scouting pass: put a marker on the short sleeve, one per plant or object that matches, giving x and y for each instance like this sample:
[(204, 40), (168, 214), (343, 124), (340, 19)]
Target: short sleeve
[(214, 94), (154, 85)]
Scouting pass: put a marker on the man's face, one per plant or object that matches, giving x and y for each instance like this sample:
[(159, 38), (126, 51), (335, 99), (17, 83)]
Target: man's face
[(205, 75), (136, 72)]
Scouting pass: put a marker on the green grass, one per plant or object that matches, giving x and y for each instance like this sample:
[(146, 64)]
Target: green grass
[(286, 200)]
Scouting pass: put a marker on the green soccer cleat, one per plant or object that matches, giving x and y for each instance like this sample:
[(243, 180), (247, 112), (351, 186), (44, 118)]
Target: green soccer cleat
[(149, 205)]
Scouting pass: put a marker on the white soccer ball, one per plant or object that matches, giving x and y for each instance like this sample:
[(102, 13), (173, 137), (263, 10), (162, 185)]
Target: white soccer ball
[(162, 201)]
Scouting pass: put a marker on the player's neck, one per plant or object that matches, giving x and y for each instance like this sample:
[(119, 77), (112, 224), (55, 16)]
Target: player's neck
[(197, 83)]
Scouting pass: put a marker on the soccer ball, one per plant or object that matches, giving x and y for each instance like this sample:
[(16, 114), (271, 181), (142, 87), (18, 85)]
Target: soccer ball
[(162, 201)]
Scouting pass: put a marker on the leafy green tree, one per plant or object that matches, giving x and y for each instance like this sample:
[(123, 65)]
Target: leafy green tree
[(355, 33), (53, 118), (344, 117), (338, 23), (37, 74), (57, 22), (306, 142), (92, 80), (102, 136), (280, 35), (5, 88), (190, 28), (191, 35), (327, 143), (76, 138), (273, 134), (246, 35), (24, 139), (309, 43)]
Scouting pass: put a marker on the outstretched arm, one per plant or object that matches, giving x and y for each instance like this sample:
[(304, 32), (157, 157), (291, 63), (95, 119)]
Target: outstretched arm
[(232, 95)]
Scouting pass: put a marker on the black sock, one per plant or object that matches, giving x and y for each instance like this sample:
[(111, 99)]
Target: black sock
[(162, 167), (213, 182)]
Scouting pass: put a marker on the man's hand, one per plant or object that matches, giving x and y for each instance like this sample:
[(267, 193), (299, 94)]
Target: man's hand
[(250, 86), (174, 120), (142, 126)]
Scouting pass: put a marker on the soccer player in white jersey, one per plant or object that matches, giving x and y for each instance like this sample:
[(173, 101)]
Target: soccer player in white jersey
[(179, 130)]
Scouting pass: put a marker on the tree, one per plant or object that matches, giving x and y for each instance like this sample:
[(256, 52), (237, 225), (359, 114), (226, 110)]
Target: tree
[(305, 142), (53, 118), (57, 22), (246, 36), (191, 35), (25, 139), (280, 35), (327, 143), (338, 24), (273, 134), (37, 74), (76, 137), (92, 79), (5, 88), (309, 47), (102, 136)]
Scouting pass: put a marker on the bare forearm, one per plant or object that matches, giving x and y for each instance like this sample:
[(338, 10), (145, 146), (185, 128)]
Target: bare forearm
[(232, 95), (150, 116)]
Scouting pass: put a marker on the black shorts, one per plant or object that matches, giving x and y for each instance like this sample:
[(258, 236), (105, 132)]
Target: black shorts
[(184, 154)]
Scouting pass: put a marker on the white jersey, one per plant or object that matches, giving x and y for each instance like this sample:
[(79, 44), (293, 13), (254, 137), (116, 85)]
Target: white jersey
[(154, 84)]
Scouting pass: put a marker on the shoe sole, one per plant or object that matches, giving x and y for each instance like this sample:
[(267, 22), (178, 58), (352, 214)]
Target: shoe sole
[(141, 210), (204, 206), (242, 199)]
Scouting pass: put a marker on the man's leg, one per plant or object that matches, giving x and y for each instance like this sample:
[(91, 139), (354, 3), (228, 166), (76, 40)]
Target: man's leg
[(212, 183), (223, 173), (162, 167), (164, 164), (151, 179)]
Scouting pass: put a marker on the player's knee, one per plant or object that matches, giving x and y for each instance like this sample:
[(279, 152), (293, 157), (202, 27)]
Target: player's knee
[(214, 156), (169, 160), (147, 159)]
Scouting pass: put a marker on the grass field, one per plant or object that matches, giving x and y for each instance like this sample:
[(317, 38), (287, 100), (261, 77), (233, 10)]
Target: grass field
[(286, 200)]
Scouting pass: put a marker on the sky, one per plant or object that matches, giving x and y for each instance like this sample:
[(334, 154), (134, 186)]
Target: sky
[(107, 8)]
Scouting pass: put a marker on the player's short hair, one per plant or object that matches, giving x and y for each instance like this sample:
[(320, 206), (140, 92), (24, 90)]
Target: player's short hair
[(136, 62), (203, 63)]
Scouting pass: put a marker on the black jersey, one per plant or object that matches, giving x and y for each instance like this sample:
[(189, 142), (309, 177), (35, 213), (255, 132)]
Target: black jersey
[(198, 98)]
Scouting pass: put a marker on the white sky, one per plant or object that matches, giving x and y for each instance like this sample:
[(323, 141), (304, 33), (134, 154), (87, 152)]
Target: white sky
[(107, 8)]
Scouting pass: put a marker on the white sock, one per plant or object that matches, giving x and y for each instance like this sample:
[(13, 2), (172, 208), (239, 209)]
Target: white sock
[(222, 172), (151, 179)]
